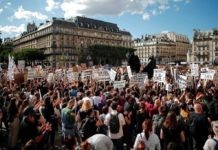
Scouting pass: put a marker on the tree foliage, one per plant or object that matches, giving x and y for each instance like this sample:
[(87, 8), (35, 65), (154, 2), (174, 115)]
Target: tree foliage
[(29, 55), (5, 50), (104, 54)]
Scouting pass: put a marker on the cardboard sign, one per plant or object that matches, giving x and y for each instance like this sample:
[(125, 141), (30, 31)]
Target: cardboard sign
[(182, 82), (112, 74), (194, 70), (72, 76), (30, 74), (58, 73), (21, 64), (159, 75), (119, 84), (207, 76), (86, 74), (139, 78), (103, 75), (50, 77), (169, 87)]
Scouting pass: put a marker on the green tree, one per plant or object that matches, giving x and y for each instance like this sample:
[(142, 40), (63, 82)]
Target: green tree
[(30, 55), (5, 50), (104, 54)]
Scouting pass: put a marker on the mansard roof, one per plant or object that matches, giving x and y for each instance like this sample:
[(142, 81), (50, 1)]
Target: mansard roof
[(84, 22)]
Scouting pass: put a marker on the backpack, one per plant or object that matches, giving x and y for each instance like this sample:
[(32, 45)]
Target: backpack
[(216, 146), (114, 124), (84, 128)]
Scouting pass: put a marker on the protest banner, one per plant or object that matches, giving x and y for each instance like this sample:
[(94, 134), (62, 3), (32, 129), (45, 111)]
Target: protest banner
[(119, 84), (58, 74), (30, 74), (21, 64), (112, 74), (207, 76), (169, 87), (194, 70), (159, 75), (95, 74), (103, 75), (86, 74), (182, 82), (72, 76), (11, 67), (139, 79), (50, 77)]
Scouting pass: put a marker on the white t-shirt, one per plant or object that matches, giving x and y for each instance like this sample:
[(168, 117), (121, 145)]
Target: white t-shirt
[(210, 144), (122, 123), (152, 143)]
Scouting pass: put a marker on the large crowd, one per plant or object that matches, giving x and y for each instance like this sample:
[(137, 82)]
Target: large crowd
[(95, 115)]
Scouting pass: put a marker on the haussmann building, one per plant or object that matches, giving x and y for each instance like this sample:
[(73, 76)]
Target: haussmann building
[(66, 39)]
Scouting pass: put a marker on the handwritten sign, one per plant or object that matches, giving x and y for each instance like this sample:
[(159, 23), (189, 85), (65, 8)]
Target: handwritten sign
[(119, 84)]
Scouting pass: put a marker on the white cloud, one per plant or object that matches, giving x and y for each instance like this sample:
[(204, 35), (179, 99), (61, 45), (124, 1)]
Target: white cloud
[(154, 12), (13, 29), (51, 4), (165, 31), (8, 3), (73, 8), (1, 10), (20, 13), (146, 16), (163, 7)]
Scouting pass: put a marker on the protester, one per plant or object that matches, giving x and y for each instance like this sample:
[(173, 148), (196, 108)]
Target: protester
[(117, 136), (68, 125), (199, 127), (98, 142), (150, 139), (171, 132), (211, 143), (83, 109)]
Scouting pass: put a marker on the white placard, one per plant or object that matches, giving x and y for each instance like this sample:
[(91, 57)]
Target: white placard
[(112, 74), (139, 78), (204, 70), (207, 76), (86, 74), (194, 70), (159, 75), (182, 81), (30, 74), (169, 87), (95, 74), (50, 77), (103, 75), (119, 84), (58, 73), (21, 64)]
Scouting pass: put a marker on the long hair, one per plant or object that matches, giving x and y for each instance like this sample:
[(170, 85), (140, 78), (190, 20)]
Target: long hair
[(170, 121), (147, 126)]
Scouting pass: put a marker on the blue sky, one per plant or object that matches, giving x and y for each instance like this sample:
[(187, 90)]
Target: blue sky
[(139, 17)]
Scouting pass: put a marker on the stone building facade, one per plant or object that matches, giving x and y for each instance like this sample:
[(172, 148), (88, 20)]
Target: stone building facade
[(66, 40), (165, 47), (204, 47)]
